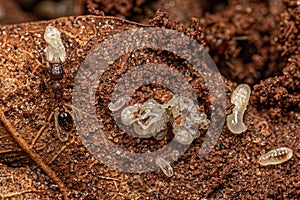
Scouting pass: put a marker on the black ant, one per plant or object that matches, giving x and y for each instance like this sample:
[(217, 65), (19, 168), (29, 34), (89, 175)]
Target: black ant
[(56, 55), (63, 119)]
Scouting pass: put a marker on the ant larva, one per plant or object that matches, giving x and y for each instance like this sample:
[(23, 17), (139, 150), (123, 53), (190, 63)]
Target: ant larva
[(276, 156), (240, 98)]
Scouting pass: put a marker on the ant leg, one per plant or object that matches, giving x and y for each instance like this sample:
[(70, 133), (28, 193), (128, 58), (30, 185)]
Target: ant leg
[(39, 133)]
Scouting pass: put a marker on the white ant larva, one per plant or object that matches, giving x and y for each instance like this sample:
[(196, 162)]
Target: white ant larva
[(276, 156), (240, 98)]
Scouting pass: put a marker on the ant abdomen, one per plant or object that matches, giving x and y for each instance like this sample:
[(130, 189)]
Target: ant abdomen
[(65, 120), (64, 123)]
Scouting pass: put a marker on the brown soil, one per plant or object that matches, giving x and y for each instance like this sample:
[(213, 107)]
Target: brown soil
[(255, 42)]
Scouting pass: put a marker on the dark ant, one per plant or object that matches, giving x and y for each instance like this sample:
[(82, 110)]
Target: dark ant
[(63, 119), (56, 55)]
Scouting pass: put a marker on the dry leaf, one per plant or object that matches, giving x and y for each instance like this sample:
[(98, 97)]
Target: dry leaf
[(29, 146)]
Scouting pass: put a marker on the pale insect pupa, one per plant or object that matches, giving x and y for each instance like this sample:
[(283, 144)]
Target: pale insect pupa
[(164, 166), (118, 104), (183, 135), (276, 156), (240, 98), (55, 51)]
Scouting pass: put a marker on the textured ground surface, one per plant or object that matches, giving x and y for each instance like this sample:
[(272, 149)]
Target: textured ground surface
[(254, 42)]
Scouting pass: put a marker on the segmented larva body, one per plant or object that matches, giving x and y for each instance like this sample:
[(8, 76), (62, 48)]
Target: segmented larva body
[(276, 156), (240, 98)]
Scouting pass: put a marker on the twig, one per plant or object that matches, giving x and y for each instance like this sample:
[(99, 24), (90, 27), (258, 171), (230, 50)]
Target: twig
[(4, 196)]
